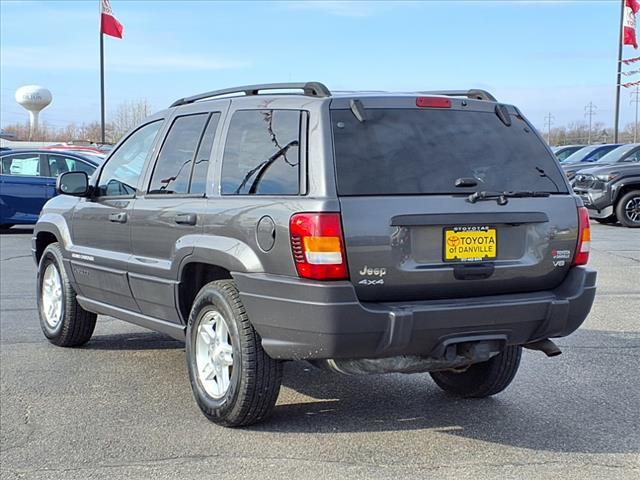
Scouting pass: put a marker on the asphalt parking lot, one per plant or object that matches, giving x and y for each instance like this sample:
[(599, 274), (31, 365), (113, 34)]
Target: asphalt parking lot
[(122, 407)]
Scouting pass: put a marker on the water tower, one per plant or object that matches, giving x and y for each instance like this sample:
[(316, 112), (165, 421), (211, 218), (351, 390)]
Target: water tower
[(33, 98)]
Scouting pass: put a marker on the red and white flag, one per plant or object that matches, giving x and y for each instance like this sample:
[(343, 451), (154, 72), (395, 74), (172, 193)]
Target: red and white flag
[(110, 26), (629, 23)]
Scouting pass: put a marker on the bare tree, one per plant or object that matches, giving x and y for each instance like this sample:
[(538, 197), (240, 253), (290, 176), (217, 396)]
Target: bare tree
[(127, 116)]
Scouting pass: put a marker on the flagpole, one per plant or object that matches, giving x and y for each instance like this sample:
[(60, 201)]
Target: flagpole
[(617, 119), (102, 86)]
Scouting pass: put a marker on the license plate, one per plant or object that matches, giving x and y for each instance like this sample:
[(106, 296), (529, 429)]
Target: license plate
[(469, 244)]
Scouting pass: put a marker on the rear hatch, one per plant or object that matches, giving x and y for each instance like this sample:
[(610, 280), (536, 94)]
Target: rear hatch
[(405, 175)]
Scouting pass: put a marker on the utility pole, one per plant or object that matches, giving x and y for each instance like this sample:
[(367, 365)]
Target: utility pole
[(548, 121), (590, 111), (635, 98)]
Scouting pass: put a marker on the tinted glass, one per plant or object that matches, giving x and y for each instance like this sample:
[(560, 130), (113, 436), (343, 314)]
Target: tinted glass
[(23, 164), (633, 157), (403, 151), (589, 154), (599, 153), (121, 173), (59, 164), (199, 176), (565, 153), (173, 167), (617, 154), (261, 154)]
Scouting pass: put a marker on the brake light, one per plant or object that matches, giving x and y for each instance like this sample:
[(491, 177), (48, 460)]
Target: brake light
[(584, 238), (433, 102), (318, 247)]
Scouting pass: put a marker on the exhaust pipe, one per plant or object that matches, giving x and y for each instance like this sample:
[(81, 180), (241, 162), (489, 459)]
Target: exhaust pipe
[(549, 348)]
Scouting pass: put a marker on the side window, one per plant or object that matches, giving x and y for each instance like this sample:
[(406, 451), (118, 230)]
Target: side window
[(201, 165), (59, 164), (21, 164), (633, 156), (121, 173), (598, 154), (262, 154), (172, 171)]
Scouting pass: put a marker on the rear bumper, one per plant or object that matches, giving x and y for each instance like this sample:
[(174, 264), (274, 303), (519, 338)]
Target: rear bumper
[(301, 319)]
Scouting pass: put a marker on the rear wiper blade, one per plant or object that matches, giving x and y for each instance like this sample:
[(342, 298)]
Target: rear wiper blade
[(502, 198)]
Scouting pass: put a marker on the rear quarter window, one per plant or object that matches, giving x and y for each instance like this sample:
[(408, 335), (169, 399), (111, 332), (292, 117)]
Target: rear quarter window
[(262, 154)]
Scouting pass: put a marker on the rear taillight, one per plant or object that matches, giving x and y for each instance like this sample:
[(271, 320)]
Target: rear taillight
[(318, 246), (584, 238)]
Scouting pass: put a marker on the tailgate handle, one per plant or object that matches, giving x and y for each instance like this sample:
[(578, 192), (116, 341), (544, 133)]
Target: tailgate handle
[(473, 272), (488, 218)]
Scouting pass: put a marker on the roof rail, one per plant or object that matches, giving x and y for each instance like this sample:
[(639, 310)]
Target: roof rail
[(474, 93), (311, 89)]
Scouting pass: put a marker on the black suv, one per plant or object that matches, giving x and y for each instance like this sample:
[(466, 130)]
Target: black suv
[(364, 232), (611, 193)]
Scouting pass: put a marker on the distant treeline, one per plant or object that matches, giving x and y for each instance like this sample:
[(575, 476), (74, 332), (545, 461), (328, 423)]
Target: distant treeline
[(126, 116)]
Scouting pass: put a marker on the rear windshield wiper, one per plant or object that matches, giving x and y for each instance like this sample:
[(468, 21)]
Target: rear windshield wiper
[(502, 198)]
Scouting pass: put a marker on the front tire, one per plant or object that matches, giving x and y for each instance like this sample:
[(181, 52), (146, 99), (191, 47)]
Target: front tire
[(628, 209), (234, 381), (63, 321), (482, 379)]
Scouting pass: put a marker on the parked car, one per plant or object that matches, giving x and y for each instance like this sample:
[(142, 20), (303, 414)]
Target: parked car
[(28, 178), (581, 159), (364, 232), (629, 153), (564, 151), (611, 193)]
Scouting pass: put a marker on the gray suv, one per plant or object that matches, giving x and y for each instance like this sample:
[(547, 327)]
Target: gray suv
[(365, 232)]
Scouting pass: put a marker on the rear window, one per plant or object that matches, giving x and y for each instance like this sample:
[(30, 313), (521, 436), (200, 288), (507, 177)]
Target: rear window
[(413, 152)]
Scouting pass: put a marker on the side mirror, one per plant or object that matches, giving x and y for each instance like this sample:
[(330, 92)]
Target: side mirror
[(73, 183)]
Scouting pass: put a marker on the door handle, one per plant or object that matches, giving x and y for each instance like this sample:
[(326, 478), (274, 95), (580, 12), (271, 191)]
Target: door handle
[(186, 219), (120, 217)]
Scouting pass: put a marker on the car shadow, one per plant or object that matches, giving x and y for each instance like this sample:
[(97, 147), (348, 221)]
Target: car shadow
[(133, 341), (577, 402), (564, 404), (17, 230)]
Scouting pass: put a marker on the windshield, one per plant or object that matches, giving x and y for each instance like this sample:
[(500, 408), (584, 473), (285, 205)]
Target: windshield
[(413, 152), (562, 153), (589, 154), (617, 154)]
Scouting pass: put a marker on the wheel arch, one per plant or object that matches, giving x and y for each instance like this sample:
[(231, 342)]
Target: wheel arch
[(193, 276), (623, 186), (213, 258), (50, 228)]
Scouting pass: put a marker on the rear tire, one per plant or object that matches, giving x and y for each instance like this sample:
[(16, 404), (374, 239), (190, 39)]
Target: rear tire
[(628, 209), (63, 321), (234, 381), (482, 379)]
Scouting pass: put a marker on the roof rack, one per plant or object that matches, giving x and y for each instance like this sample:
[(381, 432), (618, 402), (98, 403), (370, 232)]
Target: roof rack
[(311, 89), (475, 94)]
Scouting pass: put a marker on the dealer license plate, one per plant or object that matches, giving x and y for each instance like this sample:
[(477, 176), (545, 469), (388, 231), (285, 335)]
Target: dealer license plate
[(469, 244)]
